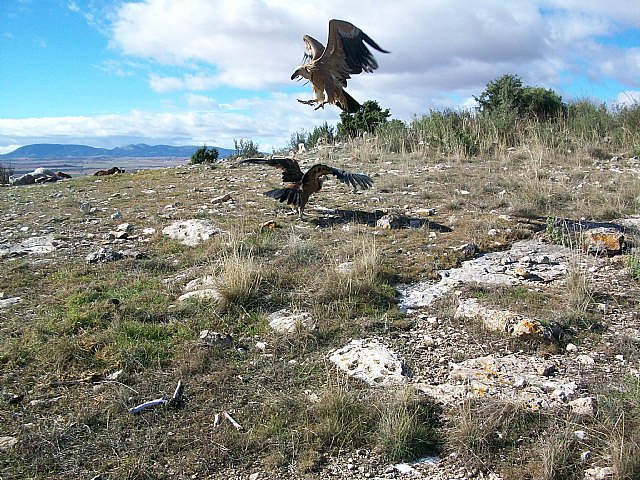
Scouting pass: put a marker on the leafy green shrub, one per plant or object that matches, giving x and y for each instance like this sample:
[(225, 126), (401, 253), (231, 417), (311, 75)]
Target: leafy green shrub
[(367, 119), (204, 155)]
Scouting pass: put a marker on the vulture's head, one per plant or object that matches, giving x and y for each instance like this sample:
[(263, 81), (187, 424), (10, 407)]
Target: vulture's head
[(300, 72)]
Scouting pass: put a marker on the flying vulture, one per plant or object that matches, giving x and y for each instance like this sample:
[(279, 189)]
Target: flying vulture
[(301, 186), (328, 69)]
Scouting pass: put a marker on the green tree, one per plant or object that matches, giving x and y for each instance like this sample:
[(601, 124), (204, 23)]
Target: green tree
[(366, 119), (502, 95), (205, 154), (541, 103), (507, 97)]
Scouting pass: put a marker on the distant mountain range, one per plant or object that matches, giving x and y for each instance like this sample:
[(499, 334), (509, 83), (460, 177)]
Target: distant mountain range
[(48, 151)]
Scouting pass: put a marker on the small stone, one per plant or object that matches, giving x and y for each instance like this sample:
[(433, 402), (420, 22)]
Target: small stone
[(286, 321), (583, 406), (585, 360), (117, 215), (520, 382), (192, 232), (388, 222), (125, 227), (580, 435), (571, 348), (548, 370), (345, 268), (9, 301), (522, 272), (215, 339), (105, 254), (7, 442), (599, 473), (221, 199), (204, 294)]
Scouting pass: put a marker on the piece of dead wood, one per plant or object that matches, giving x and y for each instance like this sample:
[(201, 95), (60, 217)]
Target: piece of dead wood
[(235, 424), (175, 401)]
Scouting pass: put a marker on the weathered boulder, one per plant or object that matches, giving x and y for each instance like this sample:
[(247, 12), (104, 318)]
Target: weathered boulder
[(583, 406), (604, 240), (192, 232), (31, 246), (526, 261), (103, 255), (600, 473), (39, 175), (389, 222), (370, 361), (285, 321), (202, 294), (7, 302), (503, 320)]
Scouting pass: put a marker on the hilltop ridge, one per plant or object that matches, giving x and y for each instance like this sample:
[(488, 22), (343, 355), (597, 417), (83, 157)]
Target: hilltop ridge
[(43, 151)]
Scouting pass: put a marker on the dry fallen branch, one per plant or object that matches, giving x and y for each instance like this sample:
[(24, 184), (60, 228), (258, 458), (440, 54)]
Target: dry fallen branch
[(235, 424), (174, 401)]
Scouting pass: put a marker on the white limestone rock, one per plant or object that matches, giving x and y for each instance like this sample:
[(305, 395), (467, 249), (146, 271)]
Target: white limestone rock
[(286, 321), (31, 246), (192, 232), (370, 361), (203, 294)]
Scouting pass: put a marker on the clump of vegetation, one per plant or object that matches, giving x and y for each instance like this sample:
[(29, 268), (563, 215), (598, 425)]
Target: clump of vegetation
[(245, 148), (324, 134), (632, 262), (205, 154), (366, 120)]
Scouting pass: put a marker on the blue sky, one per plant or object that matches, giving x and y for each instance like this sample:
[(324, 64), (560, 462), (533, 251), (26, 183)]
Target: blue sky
[(112, 72)]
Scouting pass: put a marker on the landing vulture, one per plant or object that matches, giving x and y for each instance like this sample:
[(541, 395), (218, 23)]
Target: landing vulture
[(328, 69), (301, 186)]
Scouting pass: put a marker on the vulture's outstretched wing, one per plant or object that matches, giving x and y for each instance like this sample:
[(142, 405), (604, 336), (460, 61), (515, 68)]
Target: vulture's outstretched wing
[(354, 179), (313, 49), (290, 169), (347, 53)]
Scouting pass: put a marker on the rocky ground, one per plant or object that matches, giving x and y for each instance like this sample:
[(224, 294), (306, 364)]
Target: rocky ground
[(455, 235)]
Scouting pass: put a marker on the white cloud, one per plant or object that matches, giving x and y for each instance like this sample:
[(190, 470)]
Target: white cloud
[(200, 102), (437, 46), (264, 121), (628, 98)]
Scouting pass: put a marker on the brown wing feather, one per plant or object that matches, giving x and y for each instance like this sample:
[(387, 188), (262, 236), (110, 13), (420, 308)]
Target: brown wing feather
[(346, 52), (290, 169), (313, 49)]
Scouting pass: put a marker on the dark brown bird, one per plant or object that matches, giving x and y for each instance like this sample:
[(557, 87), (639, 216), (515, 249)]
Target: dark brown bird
[(301, 186), (328, 69)]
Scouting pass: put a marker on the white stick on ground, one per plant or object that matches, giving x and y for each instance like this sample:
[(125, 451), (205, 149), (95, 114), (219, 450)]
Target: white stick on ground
[(173, 401), (233, 422), (149, 404)]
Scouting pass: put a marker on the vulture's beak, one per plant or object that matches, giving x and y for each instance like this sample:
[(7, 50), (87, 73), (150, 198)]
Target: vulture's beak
[(300, 72)]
